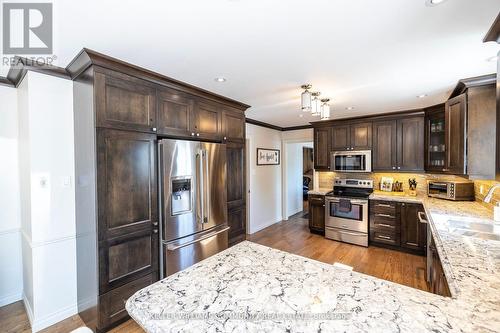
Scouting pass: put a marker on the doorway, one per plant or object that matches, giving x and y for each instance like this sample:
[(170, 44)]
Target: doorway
[(298, 177)]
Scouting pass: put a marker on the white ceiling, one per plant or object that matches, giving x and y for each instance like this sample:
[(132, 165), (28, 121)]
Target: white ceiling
[(374, 55)]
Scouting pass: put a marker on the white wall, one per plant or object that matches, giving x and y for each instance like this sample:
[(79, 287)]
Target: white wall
[(11, 277), (46, 156), (264, 181)]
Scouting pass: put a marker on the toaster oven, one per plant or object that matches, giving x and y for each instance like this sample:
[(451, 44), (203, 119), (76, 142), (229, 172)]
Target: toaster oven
[(451, 190)]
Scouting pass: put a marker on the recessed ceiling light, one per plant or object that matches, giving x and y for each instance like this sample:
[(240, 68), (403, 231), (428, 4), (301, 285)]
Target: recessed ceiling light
[(220, 79), (349, 108), (422, 96), (491, 59), (432, 3)]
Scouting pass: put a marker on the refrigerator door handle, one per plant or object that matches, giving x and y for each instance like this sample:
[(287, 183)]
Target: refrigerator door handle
[(173, 247), (160, 202), (201, 186), (206, 190)]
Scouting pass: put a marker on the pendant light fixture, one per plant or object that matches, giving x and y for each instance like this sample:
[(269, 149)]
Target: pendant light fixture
[(316, 104), (325, 109), (305, 98)]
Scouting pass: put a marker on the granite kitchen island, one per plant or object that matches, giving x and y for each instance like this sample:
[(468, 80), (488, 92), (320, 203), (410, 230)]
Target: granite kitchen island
[(253, 288)]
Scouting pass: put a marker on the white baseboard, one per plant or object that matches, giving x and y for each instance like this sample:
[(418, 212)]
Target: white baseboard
[(38, 324), (9, 299), (263, 226)]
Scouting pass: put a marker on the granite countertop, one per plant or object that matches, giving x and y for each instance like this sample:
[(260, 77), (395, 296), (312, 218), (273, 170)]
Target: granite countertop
[(249, 280), (319, 191)]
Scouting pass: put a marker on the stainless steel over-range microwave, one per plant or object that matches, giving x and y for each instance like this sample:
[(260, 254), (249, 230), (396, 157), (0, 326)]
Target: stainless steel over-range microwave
[(351, 161)]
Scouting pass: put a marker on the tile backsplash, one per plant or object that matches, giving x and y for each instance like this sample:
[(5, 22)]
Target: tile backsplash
[(481, 187)]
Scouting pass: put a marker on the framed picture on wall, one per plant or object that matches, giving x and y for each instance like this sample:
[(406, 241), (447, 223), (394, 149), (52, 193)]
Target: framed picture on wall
[(268, 156)]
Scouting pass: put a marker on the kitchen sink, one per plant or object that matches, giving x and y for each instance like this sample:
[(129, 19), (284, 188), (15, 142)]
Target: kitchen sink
[(475, 229)]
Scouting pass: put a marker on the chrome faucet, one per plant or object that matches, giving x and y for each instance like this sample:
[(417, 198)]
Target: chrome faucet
[(489, 195)]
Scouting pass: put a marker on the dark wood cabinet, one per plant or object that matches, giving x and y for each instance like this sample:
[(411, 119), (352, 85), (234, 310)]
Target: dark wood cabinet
[(322, 148), (233, 124), (396, 225), (384, 145), (124, 102), (356, 136), (207, 121), (413, 232), (236, 192), (361, 136), (121, 111), (398, 144), (455, 115), (410, 144), (438, 282), (340, 138), (126, 182), (435, 146), (174, 113), (317, 214)]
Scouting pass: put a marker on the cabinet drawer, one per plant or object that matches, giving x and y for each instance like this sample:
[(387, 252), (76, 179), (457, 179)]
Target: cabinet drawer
[(384, 220), (112, 303), (383, 207), (385, 237)]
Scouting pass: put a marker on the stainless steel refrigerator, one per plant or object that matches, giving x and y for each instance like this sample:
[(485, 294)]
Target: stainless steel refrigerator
[(193, 205)]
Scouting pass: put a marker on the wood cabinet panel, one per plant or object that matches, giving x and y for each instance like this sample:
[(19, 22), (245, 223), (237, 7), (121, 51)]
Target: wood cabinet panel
[(410, 144), (126, 182), (124, 102), (112, 304), (341, 137), (413, 232), (234, 126), (455, 110), (361, 136), (322, 148), (317, 213), (125, 258), (438, 282), (384, 145), (236, 192), (434, 139), (174, 111), (207, 121)]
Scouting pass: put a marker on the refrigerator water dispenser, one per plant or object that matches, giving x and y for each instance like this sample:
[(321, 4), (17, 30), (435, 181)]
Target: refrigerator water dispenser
[(181, 196)]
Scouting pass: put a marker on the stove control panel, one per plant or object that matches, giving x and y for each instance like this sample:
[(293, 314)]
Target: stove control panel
[(359, 183)]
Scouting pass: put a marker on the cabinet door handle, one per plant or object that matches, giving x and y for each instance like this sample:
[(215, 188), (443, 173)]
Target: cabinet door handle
[(385, 215), (385, 225), (155, 231), (422, 219), (197, 134), (192, 134), (384, 237), (399, 168), (155, 224), (154, 129), (393, 168)]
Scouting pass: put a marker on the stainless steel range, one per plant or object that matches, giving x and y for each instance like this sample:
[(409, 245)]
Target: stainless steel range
[(347, 211)]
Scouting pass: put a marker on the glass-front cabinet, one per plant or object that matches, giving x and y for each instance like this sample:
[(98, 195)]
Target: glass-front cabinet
[(435, 140)]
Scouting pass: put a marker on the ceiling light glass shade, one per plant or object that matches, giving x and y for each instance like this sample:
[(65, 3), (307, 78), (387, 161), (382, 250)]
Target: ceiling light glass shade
[(305, 98), (316, 104), (325, 109)]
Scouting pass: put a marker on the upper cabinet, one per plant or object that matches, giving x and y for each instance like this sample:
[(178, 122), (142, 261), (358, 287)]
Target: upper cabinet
[(357, 136), (233, 124), (455, 113), (124, 102), (322, 148), (174, 112), (435, 147), (384, 145), (207, 121), (398, 144)]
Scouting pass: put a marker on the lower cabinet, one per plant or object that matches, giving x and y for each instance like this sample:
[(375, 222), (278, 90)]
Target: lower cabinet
[(396, 225), (317, 214), (437, 282)]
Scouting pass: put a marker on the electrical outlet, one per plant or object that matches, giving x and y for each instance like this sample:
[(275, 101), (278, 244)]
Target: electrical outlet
[(481, 189)]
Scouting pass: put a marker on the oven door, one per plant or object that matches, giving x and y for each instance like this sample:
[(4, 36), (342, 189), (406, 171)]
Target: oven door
[(354, 161), (353, 218)]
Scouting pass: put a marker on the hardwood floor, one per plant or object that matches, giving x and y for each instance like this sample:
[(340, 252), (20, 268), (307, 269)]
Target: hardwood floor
[(292, 236), (13, 319)]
